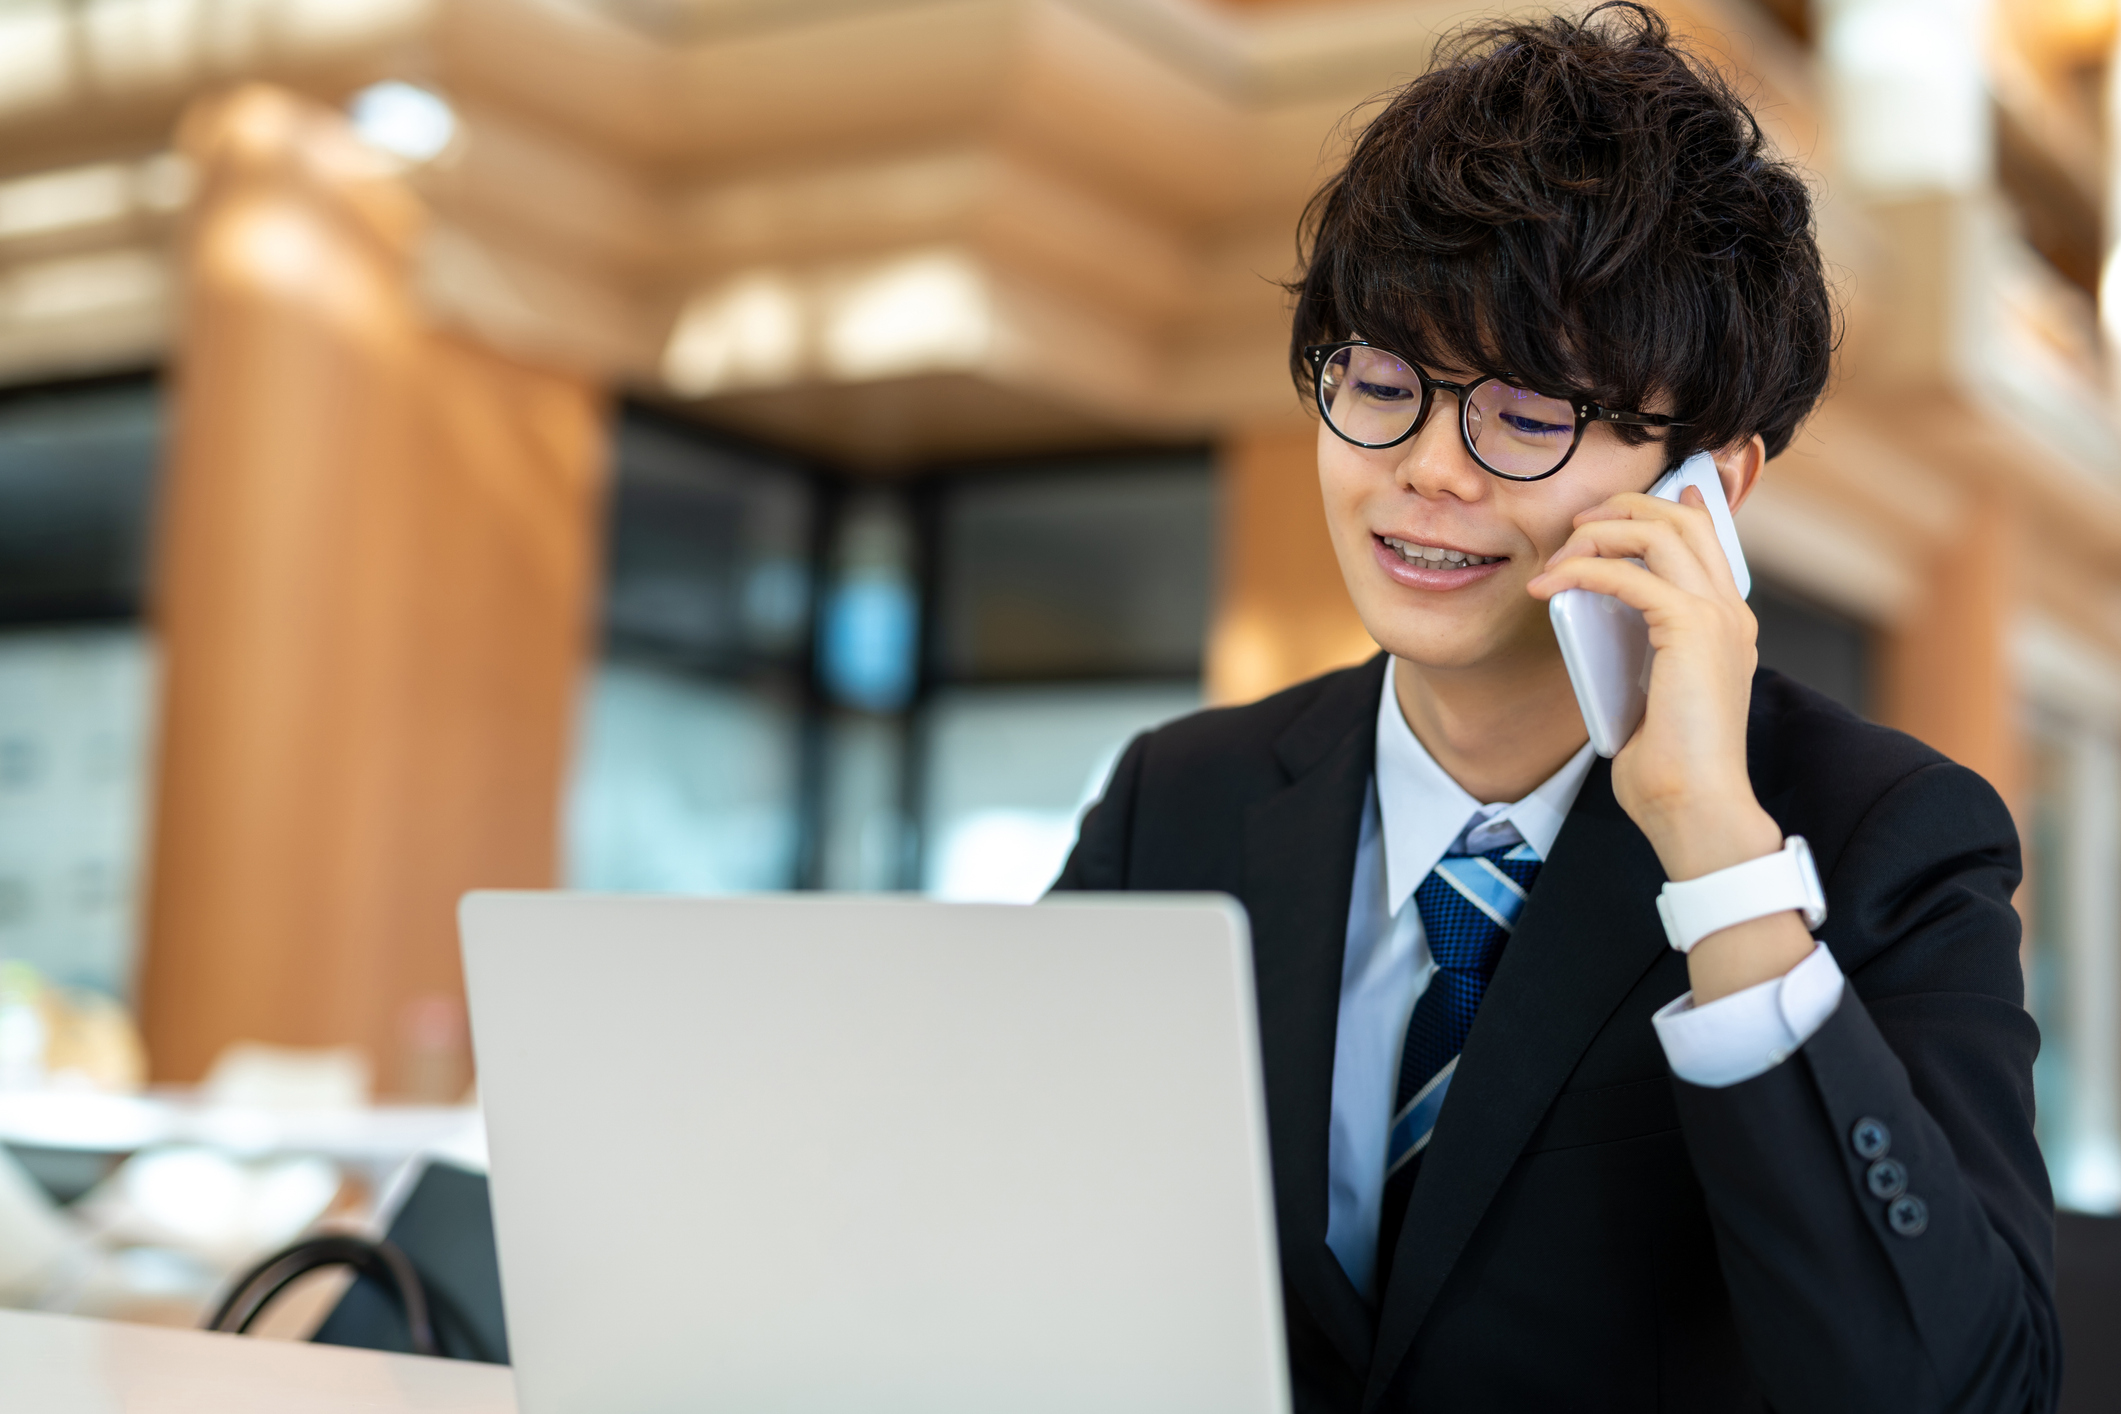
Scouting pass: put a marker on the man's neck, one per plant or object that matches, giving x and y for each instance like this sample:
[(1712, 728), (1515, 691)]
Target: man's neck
[(1498, 729)]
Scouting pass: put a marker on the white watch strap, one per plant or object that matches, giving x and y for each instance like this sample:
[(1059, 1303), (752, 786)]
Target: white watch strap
[(1771, 884)]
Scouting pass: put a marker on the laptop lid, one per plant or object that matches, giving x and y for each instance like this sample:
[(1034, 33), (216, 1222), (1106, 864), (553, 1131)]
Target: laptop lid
[(811, 1153)]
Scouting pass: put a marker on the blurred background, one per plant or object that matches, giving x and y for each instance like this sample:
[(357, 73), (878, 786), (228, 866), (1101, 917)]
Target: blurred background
[(719, 445)]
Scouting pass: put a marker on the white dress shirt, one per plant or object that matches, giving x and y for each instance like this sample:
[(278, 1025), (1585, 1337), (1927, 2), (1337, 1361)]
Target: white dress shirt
[(1413, 815)]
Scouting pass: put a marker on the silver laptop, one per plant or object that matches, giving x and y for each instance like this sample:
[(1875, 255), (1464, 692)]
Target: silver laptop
[(832, 1153)]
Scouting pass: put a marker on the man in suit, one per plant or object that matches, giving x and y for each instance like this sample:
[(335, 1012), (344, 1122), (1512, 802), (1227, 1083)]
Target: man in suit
[(1539, 1142)]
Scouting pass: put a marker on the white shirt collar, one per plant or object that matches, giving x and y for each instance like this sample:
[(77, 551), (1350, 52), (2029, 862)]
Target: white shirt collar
[(1423, 810)]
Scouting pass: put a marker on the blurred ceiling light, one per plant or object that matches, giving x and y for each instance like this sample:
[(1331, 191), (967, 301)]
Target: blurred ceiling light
[(929, 311), (141, 43), (51, 50), (1912, 99), (748, 332), (321, 26), (280, 246), (36, 55), (2110, 296), (402, 120), (54, 201), (49, 291)]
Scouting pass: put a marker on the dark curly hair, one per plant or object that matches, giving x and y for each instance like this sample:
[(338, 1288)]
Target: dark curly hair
[(1587, 206)]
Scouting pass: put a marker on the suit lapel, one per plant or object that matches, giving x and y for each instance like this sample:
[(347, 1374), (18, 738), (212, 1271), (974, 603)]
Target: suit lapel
[(1587, 935), (1299, 871)]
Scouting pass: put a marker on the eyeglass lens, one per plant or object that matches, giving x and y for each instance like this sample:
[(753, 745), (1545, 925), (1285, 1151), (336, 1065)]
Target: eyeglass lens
[(1374, 397)]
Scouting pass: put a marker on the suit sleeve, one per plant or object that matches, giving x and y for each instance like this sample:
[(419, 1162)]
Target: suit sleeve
[(1105, 839), (1880, 1206)]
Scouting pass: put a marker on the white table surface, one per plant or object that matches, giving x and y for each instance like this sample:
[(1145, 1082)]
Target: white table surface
[(72, 1365), (95, 1123)]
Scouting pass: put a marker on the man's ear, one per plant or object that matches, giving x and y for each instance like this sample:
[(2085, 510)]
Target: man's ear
[(1739, 465)]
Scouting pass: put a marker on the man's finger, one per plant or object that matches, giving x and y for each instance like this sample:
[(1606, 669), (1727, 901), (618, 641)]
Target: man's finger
[(1663, 546)]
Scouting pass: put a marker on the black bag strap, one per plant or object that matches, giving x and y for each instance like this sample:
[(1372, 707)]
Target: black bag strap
[(377, 1259)]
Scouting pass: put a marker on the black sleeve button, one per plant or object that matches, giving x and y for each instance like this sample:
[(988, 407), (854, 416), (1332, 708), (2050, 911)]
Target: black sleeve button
[(1871, 1138), (1887, 1178), (1909, 1216)]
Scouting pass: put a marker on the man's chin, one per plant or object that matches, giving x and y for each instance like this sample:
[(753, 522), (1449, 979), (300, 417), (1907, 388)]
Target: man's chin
[(1457, 647), (1440, 654)]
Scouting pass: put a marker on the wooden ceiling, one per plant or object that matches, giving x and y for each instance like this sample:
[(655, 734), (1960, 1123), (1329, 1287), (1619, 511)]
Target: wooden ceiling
[(712, 200)]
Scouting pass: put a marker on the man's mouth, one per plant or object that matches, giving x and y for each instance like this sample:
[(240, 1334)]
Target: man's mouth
[(1436, 557)]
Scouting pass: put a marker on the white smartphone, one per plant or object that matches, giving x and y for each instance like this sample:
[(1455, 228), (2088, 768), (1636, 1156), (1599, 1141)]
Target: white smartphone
[(1607, 645)]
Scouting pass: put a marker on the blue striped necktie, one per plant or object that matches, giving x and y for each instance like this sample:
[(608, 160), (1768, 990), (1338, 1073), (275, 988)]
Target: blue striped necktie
[(1468, 905)]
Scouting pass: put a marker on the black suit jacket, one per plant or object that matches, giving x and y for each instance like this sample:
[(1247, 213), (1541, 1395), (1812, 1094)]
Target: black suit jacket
[(1588, 1232)]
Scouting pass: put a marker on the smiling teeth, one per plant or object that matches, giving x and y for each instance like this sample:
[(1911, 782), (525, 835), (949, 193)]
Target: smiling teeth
[(1431, 556)]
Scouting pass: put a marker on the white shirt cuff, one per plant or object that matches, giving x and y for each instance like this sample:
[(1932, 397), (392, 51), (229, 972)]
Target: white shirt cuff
[(1751, 1032)]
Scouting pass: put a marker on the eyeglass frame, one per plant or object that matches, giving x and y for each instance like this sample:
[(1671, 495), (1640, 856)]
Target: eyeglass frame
[(1587, 412)]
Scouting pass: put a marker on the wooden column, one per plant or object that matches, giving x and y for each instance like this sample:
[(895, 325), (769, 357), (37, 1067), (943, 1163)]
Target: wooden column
[(1282, 612), (377, 563), (1948, 679)]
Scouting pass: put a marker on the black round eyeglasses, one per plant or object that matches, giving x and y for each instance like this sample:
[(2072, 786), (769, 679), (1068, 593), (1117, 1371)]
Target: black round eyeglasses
[(1375, 398)]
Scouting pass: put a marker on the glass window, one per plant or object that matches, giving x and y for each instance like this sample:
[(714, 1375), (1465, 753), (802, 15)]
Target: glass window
[(864, 842), (74, 725), (1072, 604), (77, 477), (1081, 569), (77, 480), (683, 784), (2046, 958), (709, 553), (1010, 771), (951, 744), (1825, 651), (2070, 957), (689, 757)]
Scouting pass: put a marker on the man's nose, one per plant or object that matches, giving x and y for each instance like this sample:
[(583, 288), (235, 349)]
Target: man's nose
[(1436, 462)]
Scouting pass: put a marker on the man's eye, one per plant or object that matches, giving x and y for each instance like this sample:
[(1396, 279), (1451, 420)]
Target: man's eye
[(1384, 392), (1532, 426)]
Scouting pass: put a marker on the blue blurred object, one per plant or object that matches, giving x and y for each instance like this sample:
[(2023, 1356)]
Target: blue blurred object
[(404, 121), (871, 631)]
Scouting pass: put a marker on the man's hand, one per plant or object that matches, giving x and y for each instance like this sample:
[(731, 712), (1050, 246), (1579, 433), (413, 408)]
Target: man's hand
[(1682, 776)]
